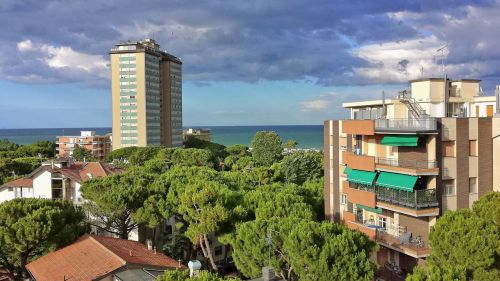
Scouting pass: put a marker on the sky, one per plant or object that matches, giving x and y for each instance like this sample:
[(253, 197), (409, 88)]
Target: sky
[(245, 62)]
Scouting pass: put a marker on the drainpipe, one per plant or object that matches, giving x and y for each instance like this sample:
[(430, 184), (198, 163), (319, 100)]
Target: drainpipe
[(497, 99)]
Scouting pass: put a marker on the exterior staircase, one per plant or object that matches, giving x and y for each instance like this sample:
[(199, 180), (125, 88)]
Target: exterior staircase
[(413, 106)]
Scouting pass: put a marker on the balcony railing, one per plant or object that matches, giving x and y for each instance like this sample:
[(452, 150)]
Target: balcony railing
[(410, 125), (412, 164), (418, 199)]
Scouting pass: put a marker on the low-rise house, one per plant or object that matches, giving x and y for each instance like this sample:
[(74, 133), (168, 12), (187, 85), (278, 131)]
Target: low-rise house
[(102, 258), (202, 134), (56, 179)]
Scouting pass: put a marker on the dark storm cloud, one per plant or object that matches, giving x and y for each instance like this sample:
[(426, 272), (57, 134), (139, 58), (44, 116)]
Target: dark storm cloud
[(217, 40)]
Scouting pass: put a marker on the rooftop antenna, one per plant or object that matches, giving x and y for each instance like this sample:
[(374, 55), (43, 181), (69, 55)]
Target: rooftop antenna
[(442, 49), (421, 71)]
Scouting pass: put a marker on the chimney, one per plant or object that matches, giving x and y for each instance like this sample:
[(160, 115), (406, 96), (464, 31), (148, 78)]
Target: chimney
[(52, 163), (194, 268), (268, 273), (149, 243), (130, 252)]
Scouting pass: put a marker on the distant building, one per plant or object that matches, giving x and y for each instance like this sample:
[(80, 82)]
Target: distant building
[(146, 86), (102, 258), (56, 179), (98, 145), (400, 163), (202, 134)]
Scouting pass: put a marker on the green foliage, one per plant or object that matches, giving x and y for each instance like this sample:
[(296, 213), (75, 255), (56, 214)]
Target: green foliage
[(468, 239), (17, 167), (217, 150), (121, 154), (32, 227), (178, 275), (177, 243), (117, 198), (6, 145), (238, 149), (322, 251), (39, 148), (488, 208), (301, 166), (193, 157), (441, 273), (290, 144), (81, 153), (143, 154), (266, 148)]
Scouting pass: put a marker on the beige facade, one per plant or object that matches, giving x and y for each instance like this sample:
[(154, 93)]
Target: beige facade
[(99, 146), (146, 86), (398, 165)]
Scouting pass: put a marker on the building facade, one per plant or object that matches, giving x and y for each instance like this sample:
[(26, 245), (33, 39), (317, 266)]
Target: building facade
[(146, 86), (398, 164), (99, 146), (56, 179)]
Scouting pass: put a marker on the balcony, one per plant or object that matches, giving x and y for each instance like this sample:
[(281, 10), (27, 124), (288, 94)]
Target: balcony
[(411, 167), (358, 127), (352, 223), (358, 196), (358, 162), (412, 126), (419, 203), (403, 242)]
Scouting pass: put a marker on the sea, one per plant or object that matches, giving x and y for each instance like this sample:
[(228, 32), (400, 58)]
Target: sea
[(307, 136)]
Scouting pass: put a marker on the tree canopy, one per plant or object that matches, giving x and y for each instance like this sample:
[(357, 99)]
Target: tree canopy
[(81, 153), (178, 275), (266, 148), (301, 166), (32, 227), (115, 199), (468, 240)]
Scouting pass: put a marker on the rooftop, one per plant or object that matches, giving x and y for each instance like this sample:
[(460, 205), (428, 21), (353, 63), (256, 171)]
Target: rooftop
[(92, 257)]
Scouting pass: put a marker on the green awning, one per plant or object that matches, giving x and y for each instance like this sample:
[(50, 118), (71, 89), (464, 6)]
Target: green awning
[(347, 170), (400, 140), (374, 210), (361, 177), (397, 181)]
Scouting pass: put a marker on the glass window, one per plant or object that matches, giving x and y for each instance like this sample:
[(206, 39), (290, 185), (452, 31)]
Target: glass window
[(472, 185), (449, 189), (382, 222), (344, 199)]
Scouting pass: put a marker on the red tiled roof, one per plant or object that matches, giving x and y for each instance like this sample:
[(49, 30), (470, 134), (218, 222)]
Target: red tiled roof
[(24, 182), (79, 171), (93, 257)]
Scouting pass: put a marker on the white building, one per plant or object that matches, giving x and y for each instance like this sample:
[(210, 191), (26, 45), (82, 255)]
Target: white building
[(56, 179)]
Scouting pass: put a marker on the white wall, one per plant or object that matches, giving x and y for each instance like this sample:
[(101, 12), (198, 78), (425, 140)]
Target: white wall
[(42, 185), (6, 195)]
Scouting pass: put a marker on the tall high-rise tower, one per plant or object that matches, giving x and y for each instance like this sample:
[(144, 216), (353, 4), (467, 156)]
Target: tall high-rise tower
[(146, 87)]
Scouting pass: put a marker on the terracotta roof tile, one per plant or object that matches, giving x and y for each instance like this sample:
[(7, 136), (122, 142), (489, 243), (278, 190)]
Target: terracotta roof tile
[(24, 182), (93, 256)]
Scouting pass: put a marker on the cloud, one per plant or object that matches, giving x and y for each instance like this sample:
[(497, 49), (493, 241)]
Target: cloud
[(329, 42), (43, 63), (314, 105)]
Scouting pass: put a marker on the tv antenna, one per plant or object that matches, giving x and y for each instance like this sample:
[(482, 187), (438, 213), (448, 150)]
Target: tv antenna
[(442, 49)]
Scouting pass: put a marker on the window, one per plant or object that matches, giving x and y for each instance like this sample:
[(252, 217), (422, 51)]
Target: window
[(473, 148), (472, 185), (449, 190), (10, 188), (218, 250), (57, 189), (344, 199), (382, 222)]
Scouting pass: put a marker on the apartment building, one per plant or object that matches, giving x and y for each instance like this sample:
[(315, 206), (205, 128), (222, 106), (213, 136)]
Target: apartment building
[(146, 86), (399, 163), (97, 145)]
